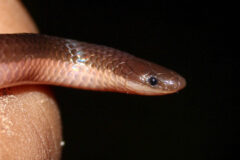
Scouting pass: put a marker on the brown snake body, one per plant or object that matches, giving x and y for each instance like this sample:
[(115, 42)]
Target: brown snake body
[(42, 59)]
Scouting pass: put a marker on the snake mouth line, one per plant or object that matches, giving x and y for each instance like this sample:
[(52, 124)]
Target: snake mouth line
[(137, 88)]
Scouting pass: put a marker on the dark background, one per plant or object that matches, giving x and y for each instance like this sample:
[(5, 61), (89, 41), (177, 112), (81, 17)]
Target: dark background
[(191, 37)]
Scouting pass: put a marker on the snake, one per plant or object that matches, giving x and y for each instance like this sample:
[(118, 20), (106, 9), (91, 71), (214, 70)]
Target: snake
[(27, 58)]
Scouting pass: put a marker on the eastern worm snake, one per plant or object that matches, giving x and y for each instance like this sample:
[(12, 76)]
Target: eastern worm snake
[(42, 59)]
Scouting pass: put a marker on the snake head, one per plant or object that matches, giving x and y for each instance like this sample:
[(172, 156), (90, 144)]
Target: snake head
[(146, 78)]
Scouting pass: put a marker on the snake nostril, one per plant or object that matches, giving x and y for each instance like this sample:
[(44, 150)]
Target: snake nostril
[(171, 82)]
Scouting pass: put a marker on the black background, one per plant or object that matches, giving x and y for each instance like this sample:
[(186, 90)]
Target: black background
[(191, 37)]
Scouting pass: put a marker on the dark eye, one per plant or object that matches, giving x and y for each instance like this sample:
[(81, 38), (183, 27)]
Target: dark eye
[(153, 81)]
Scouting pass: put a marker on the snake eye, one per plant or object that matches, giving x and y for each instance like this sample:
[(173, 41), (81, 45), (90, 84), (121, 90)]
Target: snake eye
[(153, 81)]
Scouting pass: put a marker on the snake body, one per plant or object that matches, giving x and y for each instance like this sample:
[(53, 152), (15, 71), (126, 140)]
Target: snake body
[(42, 59)]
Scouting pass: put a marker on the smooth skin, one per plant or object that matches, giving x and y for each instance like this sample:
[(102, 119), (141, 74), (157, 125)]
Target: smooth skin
[(30, 124)]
